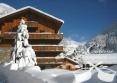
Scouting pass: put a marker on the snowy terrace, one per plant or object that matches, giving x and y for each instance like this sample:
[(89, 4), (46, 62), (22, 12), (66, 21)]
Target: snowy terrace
[(105, 58)]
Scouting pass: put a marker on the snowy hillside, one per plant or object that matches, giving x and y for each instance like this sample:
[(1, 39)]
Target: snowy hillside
[(4, 9), (105, 42)]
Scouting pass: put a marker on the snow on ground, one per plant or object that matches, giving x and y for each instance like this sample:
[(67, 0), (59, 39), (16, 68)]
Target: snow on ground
[(29, 75), (7, 76), (104, 58), (95, 79)]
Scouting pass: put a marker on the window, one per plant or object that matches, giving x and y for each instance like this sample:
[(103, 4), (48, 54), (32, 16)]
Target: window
[(32, 29), (14, 29)]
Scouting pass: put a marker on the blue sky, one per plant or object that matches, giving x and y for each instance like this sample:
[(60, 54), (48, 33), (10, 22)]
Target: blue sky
[(83, 18)]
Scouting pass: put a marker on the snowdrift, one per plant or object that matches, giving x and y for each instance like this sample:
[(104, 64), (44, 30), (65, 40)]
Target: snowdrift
[(32, 75)]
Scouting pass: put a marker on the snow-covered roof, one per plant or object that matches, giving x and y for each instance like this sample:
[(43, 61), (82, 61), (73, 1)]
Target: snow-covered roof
[(35, 9), (4, 9), (71, 60), (3, 5)]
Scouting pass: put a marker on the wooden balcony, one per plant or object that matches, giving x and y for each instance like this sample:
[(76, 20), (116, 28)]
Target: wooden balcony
[(40, 48), (5, 46), (50, 60), (55, 60), (45, 36), (48, 48), (42, 36)]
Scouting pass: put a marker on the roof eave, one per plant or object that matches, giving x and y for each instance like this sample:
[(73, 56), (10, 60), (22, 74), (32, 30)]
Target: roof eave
[(29, 7)]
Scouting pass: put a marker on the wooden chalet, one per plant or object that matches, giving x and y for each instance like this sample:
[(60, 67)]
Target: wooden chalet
[(43, 30)]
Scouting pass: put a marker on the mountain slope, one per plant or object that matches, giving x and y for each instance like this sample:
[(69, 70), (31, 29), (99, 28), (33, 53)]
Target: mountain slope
[(105, 42)]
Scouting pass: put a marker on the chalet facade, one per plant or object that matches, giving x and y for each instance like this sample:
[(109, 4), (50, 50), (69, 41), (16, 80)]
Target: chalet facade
[(43, 30)]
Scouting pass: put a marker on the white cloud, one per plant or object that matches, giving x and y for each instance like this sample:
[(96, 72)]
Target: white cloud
[(79, 38)]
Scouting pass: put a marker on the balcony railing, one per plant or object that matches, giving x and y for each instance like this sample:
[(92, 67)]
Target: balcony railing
[(40, 48), (5, 46), (50, 60), (11, 35), (48, 48), (45, 36)]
